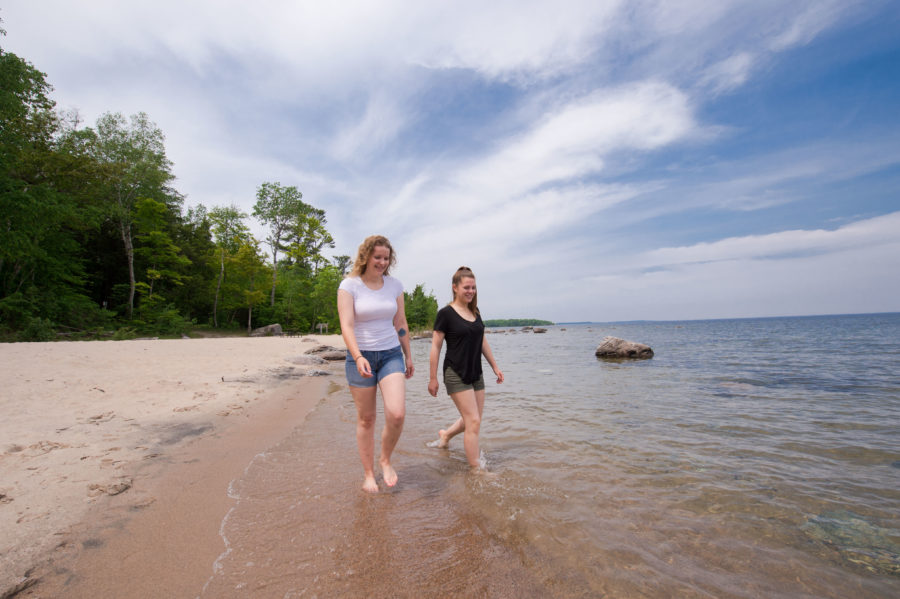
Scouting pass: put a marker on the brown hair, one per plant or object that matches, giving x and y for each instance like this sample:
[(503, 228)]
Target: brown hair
[(462, 272), (366, 248)]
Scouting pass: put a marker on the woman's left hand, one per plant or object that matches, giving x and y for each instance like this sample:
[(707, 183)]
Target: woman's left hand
[(499, 374), (410, 369)]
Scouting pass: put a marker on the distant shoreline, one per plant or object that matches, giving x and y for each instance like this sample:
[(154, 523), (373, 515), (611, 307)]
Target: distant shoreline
[(642, 321)]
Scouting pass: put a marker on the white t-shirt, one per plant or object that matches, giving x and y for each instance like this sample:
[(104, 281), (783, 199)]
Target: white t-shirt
[(373, 312)]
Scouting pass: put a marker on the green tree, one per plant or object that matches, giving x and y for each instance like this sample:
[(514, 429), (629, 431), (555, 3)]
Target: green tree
[(294, 310), (41, 266), (192, 233), (309, 237), (342, 263), (421, 308), (230, 234), (165, 261), (278, 207), (251, 273), (133, 159), (324, 306)]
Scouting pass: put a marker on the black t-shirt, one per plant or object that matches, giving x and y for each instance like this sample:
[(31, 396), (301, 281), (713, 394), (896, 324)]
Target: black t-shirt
[(463, 343)]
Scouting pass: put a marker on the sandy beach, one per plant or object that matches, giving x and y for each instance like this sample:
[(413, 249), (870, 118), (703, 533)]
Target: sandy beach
[(115, 456)]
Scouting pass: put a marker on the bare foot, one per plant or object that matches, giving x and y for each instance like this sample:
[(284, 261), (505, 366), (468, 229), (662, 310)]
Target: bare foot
[(483, 472), (369, 485), (390, 475), (442, 442)]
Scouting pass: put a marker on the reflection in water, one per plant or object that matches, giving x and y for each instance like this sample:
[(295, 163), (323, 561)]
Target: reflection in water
[(732, 464), (301, 527)]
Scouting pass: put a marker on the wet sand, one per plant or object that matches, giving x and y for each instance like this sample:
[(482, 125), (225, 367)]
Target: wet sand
[(115, 457)]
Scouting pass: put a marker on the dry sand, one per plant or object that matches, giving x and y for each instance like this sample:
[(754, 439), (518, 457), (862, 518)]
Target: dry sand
[(138, 437)]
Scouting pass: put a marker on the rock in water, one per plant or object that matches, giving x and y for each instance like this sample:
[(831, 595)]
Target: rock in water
[(613, 348), (862, 542)]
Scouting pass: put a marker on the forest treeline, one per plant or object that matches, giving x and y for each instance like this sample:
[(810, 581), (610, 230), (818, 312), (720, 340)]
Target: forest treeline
[(516, 322), (95, 240)]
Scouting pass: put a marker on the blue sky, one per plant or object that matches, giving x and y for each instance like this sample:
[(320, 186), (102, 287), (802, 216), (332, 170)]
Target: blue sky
[(588, 160)]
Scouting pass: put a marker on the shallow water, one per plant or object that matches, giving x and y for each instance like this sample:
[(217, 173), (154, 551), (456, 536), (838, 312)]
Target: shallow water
[(748, 458)]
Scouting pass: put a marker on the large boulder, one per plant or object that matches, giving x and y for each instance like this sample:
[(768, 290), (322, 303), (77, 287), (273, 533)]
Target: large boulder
[(613, 348), (272, 330)]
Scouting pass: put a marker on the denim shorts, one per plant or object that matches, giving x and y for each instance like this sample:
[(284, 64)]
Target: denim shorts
[(383, 363), (454, 384)]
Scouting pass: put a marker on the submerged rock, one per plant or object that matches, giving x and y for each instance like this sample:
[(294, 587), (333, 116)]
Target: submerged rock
[(858, 541), (613, 348)]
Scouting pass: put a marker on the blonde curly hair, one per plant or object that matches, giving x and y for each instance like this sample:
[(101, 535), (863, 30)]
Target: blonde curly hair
[(366, 248)]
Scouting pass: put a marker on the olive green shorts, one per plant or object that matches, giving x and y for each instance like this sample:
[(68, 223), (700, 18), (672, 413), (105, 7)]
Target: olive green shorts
[(454, 384)]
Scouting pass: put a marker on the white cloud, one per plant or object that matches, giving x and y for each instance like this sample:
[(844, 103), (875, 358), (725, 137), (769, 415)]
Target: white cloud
[(850, 269), (378, 126), (573, 142), (874, 232), (800, 29), (729, 73)]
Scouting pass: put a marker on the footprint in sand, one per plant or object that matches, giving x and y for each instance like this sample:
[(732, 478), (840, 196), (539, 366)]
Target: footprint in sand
[(43, 447), (105, 417), (231, 408), (115, 488)]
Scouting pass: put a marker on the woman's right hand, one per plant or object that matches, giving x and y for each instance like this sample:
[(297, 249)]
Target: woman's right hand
[(364, 368), (433, 387)]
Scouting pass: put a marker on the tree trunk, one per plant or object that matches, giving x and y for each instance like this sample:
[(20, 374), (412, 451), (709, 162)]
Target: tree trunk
[(274, 275), (125, 228), (218, 288), (249, 319)]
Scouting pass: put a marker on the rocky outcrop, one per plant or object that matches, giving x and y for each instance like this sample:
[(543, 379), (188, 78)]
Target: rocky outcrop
[(271, 330), (320, 349), (613, 348), (327, 352), (307, 360), (539, 330)]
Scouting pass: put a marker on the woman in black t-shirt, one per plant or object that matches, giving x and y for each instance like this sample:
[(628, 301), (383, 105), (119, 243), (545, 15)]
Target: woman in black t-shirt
[(460, 324)]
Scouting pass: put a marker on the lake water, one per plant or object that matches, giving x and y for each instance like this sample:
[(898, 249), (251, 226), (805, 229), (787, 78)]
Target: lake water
[(748, 458)]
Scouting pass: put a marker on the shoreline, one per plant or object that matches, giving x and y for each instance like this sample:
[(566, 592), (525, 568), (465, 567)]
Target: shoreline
[(117, 455)]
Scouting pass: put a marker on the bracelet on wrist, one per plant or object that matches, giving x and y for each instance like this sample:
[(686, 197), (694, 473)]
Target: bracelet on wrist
[(357, 357)]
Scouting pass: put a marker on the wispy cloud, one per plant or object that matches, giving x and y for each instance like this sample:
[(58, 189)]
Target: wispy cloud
[(869, 233)]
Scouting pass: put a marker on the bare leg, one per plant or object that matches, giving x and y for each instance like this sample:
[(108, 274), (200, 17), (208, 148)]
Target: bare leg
[(444, 435), (364, 398), (448, 433), (468, 406), (393, 394)]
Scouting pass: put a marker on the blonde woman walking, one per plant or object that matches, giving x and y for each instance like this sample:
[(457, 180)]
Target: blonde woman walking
[(373, 325)]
